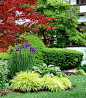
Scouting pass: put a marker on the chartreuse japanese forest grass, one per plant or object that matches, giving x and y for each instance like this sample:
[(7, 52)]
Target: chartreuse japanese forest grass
[(78, 81), (29, 81)]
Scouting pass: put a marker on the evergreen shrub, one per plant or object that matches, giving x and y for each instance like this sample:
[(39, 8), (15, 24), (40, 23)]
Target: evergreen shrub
[(36, 43), (64, 58), (4, 56)]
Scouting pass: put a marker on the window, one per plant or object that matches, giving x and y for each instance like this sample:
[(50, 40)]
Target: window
[(81, 1)]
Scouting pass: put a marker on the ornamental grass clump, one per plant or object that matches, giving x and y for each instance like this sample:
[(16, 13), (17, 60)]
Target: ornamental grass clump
[(21, 61), (65, 82), (52, 84), (26, 81), (29, 81)]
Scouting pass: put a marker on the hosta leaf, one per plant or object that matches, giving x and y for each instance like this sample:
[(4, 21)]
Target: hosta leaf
[(51, 66), (52, 75)]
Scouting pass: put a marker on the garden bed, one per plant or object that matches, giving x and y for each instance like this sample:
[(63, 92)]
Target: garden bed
[(78, 91)]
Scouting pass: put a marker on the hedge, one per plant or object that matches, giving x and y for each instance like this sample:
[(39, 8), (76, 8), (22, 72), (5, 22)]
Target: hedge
[(64, 58)]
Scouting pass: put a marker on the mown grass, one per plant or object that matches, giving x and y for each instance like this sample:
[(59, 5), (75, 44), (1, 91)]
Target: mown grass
[(79, 92)]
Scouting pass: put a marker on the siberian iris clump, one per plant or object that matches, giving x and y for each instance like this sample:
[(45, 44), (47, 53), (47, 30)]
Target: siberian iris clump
[(21, 61)]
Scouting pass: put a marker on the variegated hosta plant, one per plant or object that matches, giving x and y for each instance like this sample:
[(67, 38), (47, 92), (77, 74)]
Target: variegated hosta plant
[(3, 74), (52, 70)]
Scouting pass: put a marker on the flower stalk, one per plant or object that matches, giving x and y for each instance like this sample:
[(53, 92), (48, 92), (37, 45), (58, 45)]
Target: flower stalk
[(21, 61)]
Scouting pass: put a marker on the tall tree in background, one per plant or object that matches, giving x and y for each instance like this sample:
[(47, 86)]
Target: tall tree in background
[(8, 15), (66, 23)]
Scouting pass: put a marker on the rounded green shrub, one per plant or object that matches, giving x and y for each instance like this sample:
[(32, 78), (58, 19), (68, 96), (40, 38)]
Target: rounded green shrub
[(35, 42), (4, 56), (81, 72), (64, 58)]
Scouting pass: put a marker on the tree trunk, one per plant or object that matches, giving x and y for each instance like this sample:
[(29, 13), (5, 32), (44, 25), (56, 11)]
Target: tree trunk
[(44, 36)]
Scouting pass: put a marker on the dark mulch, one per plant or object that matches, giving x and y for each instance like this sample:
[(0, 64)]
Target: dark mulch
[(5, 92)]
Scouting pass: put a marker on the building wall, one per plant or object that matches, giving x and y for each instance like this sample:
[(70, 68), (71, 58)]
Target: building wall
[(72, 2), (82, 19), (82, 8)]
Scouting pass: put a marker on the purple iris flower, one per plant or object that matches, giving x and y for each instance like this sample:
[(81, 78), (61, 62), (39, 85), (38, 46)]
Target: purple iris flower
[(20, 47), (12, 50), (26, 42), (27, 45), (23, 46), (17, 49), (8, 60), (17, 43), (32, 49)]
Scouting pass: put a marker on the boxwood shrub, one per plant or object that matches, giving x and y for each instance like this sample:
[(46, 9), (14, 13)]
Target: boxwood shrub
[(35, 42), (4, 56), (64, 58)]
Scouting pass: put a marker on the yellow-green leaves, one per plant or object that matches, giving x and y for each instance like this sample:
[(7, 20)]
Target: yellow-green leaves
[(81, 72), (26, 81), (31, 81)]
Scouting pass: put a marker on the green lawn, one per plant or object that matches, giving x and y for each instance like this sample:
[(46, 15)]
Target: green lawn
[(79, 92)]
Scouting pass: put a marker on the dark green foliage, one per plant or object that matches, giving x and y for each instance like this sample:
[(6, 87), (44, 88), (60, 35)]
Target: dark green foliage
[(36, 43), (64, 58), (66, 31), (3, 74), (52, 70), (84, 27), (82, 67)]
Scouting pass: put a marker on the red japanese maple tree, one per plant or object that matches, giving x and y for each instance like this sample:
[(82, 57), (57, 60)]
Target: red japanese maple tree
[(8, 15)]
